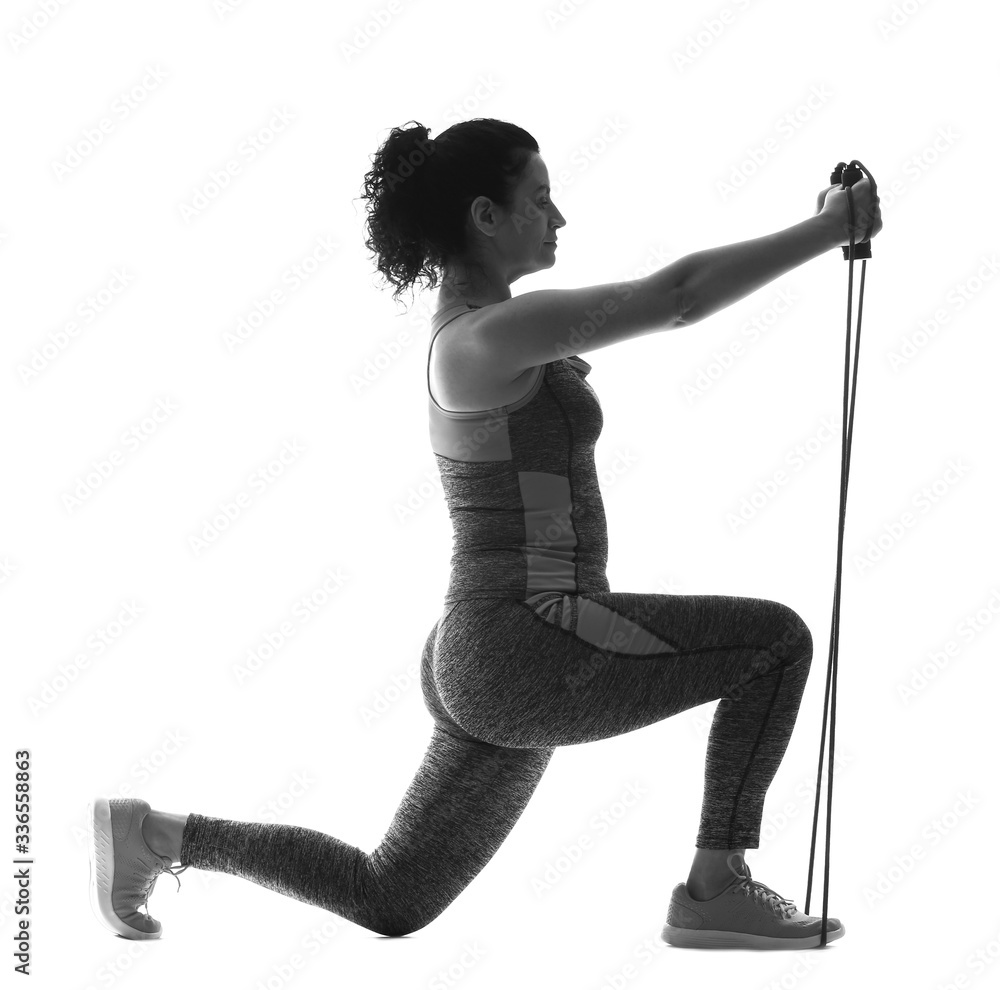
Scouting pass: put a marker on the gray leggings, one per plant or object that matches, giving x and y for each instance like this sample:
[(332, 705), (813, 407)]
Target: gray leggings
[(504, 687)]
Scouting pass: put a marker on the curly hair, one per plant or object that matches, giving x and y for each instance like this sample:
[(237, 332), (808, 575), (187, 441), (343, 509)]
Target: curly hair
[(419, 192)]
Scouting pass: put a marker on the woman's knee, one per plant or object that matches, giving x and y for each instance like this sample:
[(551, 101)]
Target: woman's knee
[(397, 923), (791, 639)]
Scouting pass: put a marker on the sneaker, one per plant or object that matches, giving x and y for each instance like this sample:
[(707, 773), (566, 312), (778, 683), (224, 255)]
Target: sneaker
[(746, 915), (123, 869)]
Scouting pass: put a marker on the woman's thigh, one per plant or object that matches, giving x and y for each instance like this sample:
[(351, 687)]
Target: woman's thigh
[(569, 669)]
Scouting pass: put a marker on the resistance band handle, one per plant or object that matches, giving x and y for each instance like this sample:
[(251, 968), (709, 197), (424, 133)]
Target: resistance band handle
[(846, 175)]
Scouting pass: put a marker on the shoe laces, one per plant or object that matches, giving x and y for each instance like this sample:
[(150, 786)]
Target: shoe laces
[(148, 889), (765, 896)]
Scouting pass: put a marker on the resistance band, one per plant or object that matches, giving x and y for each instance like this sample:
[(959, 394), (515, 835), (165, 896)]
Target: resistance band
[(846, 175)]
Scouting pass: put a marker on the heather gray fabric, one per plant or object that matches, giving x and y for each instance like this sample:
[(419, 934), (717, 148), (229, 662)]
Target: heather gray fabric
[(534, 651), (521, 485)]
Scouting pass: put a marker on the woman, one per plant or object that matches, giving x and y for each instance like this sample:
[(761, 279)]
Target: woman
[(532, 650)]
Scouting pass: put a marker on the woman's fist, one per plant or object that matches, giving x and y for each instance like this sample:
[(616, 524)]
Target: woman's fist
[(832, 204)]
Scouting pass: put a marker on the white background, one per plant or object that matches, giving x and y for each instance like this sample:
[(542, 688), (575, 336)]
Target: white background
[(696, 94)]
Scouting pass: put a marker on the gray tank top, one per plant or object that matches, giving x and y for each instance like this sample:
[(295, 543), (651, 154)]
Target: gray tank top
[(521, 487)]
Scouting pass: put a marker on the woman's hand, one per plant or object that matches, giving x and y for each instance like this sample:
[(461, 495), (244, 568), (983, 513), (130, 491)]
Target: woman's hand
[(832, 204)]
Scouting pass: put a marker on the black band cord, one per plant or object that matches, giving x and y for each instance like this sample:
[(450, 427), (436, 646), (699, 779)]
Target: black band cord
[(848, 174)]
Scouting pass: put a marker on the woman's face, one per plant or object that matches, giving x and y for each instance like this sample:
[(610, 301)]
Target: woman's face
[(525, 238)]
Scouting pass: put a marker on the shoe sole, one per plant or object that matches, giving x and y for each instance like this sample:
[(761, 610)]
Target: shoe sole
[(102, 872), (697, 938)]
